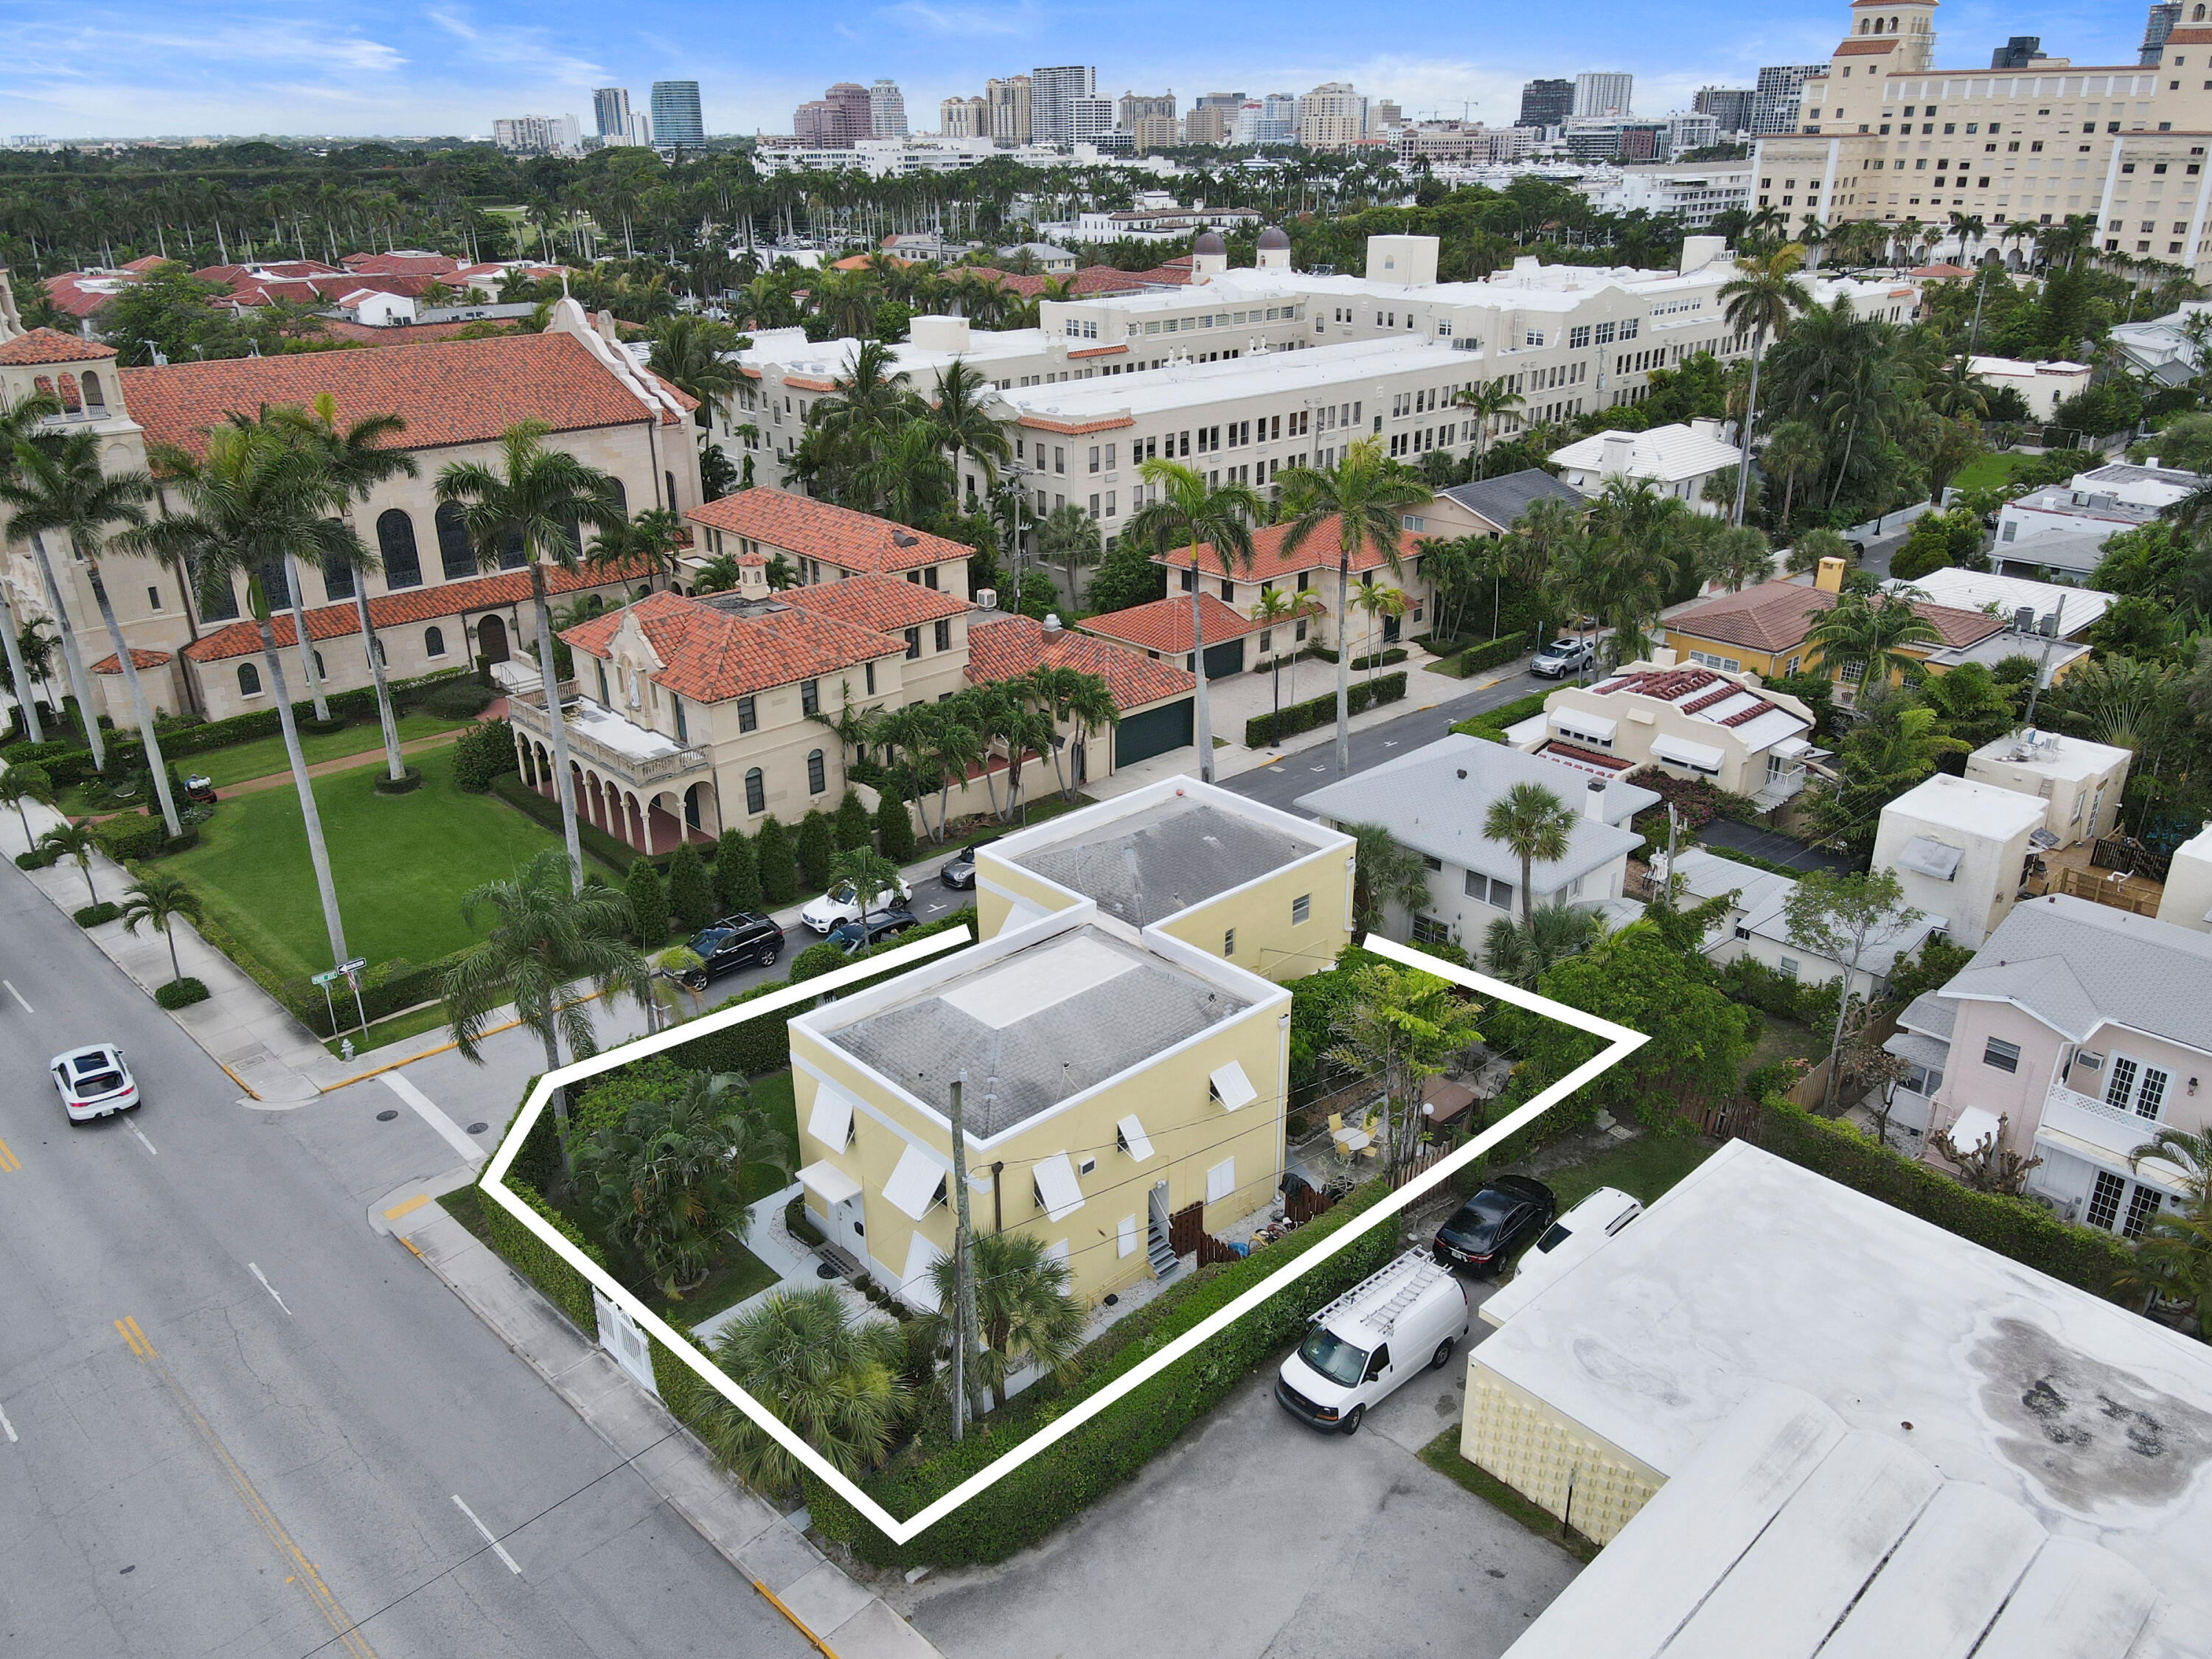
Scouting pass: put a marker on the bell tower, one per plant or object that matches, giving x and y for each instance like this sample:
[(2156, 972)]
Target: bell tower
[(1901, 33)]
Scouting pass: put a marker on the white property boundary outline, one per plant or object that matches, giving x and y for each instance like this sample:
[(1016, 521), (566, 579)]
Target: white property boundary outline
[(1620, 1042)]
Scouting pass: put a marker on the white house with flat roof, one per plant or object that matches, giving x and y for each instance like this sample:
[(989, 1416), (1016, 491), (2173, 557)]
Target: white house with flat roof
[(2061, 611), (1677, 460), (2042, 386), (2186, 901), (2004, 1412), (2079, 782), (1433, 800), (1959, 850)]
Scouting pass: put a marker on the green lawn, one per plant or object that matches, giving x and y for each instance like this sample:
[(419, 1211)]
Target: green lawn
[(264, 755), (1441, 1454), (1643, 1168), (401, 864), (772, 1095), (1990, 471)]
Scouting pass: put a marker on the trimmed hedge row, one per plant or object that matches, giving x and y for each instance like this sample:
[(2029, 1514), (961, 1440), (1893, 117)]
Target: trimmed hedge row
[(594, 840), (1491, 722), (1068, 1476), (2013, 1227), (529, 1255), (1263, 730), (1491, 653)]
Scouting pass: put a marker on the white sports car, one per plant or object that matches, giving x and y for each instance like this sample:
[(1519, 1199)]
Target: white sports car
[(94, 1082), (842, 904)]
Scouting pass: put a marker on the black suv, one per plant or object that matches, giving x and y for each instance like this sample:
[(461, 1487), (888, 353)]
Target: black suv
[(743, 940), (1497, 1221)]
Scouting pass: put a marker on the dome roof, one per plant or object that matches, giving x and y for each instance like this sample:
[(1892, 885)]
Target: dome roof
[(1272, 237), (1209, 241)]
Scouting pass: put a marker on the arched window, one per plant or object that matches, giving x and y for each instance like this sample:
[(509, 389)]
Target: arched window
[(670, 480), (622, 496), (755, 792), (218, 597), (338, 580), (455, 552), (321, 673), (395, 542), (94, 399), (513, 554), (2197, 15), (434, 641), (817, 777), (382, 661), (71, 404), (249, 680)]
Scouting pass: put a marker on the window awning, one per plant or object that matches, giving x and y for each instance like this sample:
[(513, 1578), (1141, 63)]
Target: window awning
[(1134, 1138), (916, 1288), (830, 1122), (1574, 723), (1231, 1087), (1056, 1185), (1791, 748), (1930, 857), (916, 1183), (1701, 758), (829, 1182)]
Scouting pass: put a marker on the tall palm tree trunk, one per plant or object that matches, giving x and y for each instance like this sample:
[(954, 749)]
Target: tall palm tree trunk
[(318, 854), (1202, 728), (1750, 414), (1527, 898), (384, 714), (139, 709), (27, 695), (564, 787), (300, 638), (169, 932), (1343, 666), (80, 687)]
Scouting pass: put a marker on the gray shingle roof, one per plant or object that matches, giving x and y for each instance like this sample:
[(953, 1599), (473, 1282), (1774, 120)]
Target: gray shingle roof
[(1426, 804), (1501, 499), (2075, 965)]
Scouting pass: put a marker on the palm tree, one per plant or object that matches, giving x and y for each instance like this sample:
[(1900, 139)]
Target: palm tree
[(23, 782), (1024, 1316), (965, 423), (1968, 229), (1364, 494), (1400, 1028), (1863, 637), (63, 488), (1535, 826), (1186, 510), (1069, 697), (1276, 608), (902, 473), (1485, 401), (1520, 953), (1760, 302), (687, 354), (1384, 873), (536, 501), (834, 1379), (1069, 535), (354, 461), (158, 898), (655, 539), (18, 421), (1380, 604), (254, 497), (1795, 449), (541, 940), (1736, 557), (1637, 539), (73, 840)]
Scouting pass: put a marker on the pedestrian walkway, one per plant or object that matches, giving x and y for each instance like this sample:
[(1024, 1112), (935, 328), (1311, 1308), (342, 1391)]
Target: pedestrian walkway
[(344, 763), (794, 1264), (840, 1618)]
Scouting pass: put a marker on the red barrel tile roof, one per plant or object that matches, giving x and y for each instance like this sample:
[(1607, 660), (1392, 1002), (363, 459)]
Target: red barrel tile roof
[(834, 535), (1002, 646), (47, 345), (710, 655), (1164, 624)]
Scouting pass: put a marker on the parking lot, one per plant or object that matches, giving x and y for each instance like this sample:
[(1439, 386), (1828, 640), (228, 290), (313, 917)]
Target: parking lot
[(1258, 1536)]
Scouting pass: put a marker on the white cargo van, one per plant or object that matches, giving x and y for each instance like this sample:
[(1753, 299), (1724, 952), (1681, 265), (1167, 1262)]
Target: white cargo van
[(1408, 1318)]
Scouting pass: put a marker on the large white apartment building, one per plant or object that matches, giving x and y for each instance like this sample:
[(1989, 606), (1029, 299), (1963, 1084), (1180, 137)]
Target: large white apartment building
[(1692, 192), (1887, 135)]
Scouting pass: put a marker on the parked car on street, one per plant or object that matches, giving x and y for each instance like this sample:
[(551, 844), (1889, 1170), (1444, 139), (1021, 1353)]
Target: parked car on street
[(94, 1082), (851, 936), (842, 904), (743, 940), (1565, 655), (1483, 1232), (958, 871), (1406, 1319)]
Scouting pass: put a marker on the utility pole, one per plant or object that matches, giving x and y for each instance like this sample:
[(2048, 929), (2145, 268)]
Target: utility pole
[(2058, 623), (964, 1268), (1673, 818)]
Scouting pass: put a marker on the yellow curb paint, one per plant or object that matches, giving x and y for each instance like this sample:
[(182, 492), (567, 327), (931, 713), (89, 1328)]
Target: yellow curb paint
[(408, 1208), (819, 1645)]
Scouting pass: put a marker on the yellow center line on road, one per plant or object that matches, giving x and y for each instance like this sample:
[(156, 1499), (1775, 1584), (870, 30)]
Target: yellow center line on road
[(304, 1571), (9, 1162)]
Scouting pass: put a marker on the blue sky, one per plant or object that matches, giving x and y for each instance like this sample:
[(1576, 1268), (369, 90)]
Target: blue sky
[(85, 68)]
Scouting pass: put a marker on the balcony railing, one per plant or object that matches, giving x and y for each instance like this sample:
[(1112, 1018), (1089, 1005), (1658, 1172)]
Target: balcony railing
[(639, 771), (2112, 1131)]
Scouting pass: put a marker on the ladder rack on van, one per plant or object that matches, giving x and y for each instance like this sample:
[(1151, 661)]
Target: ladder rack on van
[(1407, 1280)]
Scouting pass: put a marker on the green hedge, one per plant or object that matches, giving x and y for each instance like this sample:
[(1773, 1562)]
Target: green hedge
[(1263, 730), (1390, 654), (1502, 649), (2013, 1227), (1491, 722), (1068, 1476), (595, 842), (529, 1255)]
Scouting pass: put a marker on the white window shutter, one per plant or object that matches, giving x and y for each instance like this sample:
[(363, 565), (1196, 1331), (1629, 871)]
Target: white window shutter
[(1125, 1236)]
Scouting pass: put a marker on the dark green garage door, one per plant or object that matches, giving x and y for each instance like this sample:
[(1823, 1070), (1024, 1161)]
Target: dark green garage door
[(1227, 657), (1140, 737)]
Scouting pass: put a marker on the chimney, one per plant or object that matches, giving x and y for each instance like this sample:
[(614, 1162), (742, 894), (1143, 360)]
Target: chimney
[(1705, 426), (2152, 463), (1594, 799), (1616, 452), (1829, 578), (1052, 625)]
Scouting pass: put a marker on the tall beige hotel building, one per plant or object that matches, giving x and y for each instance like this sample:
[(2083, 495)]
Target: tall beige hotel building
[(1885, 134)]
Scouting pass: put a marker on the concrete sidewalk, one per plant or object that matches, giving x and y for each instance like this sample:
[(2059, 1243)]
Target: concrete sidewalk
[(842, 1619)]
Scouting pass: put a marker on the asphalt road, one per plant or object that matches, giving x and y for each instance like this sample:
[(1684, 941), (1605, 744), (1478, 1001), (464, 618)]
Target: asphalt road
[(238, 1422), (1281, 784)]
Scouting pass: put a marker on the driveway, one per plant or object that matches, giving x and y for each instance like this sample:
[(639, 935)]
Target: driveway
[(1772, 845), (1255, 1537)]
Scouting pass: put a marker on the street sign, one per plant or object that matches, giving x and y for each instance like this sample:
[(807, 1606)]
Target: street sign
[(345, 970)]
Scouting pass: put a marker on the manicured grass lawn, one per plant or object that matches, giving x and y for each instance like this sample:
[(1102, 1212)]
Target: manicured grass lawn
[(401, 865), (772, 1095), (1990, 471), (1643, 1168), (413, 1022), (264, 755)]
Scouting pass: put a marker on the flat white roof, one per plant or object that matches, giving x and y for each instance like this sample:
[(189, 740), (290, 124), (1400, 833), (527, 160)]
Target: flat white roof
[(1268, 374), (2077, 608), (2051, 754), (1982, 810), (1751, 1270)]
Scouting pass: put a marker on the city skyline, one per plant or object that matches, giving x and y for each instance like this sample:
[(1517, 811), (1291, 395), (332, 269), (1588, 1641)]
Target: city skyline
[(124, 68)]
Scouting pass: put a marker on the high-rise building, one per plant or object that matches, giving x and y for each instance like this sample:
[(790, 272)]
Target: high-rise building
[(1150, 132), (1730, 106), (1012, 109), (1090, 120), (640, 128), (1209, 123), (1601, 94), (886, 110), (538, 134), (2018, 52), (963, 118), (1382, 113), (676, 120), (1780, 93), (1546, 103), (610, 112), (2160, 23), (1331, 117), (1278, 118), (1136, 104), (835, 121), (1051, 92)]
